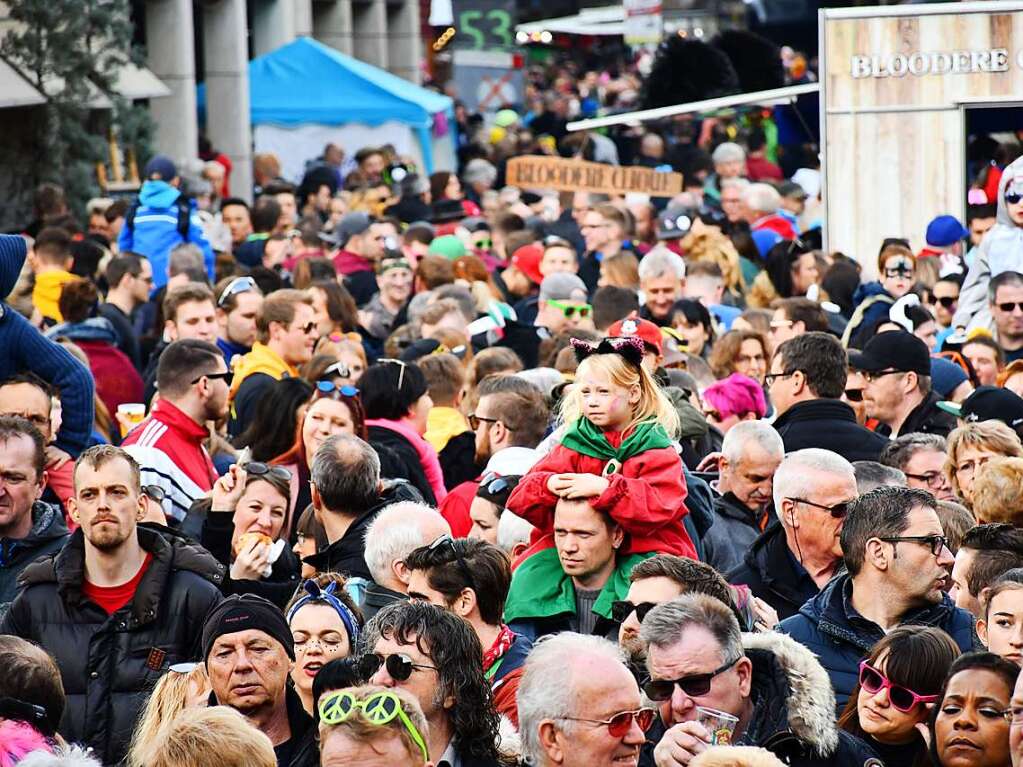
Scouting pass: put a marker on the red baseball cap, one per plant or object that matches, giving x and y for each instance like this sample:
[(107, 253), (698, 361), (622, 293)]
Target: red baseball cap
[(527, 260), (634, 327)]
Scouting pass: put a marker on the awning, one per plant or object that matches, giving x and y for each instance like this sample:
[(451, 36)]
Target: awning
[(589, 21), (771, 97), (15, 90), (134, 83)]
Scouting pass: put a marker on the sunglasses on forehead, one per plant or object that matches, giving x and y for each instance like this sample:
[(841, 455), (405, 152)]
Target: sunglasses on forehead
[(236, 286)]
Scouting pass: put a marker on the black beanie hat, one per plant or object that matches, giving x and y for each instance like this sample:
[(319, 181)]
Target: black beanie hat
[(241, 612)]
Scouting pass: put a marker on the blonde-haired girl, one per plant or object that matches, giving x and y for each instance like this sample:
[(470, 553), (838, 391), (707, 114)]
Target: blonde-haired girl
[(184, 686), (616, 450)]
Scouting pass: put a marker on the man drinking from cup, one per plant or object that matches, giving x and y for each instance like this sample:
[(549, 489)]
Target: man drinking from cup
[(714, 685)]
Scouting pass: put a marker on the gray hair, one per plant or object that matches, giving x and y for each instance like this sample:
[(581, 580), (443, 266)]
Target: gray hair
[(346, 473), (183, 257), (64, 756), (736, 183), (728, 152), (665, 624), (460, 295), (511, 531), (799, 473), (871, 475), (759, 433), (546, 689), (417, 307), (659, 262), (901, 450), (762, 198), (479, 170), (396, 532)]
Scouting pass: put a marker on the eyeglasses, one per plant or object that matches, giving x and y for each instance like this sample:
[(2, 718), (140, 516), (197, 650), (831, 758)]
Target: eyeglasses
[(236, 286), (618, 726), (1013, 197), (838, 511), (226, 377), (329, 387), (934, 479), (399, 363), (902, 698), (936, 542), (854, 395), (446, 541), (399, 665), (947, 301), (623, 608), (155, 492), (873, 375), (259, 469), (770, 378), (378, 708), (1009, 306), (476, 420), (308, 329), (570, 310), (693, 685)]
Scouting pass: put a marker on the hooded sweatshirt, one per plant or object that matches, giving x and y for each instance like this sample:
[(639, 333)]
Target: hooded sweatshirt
[(46, 292), (155, 230), (22, 348), (1001, 250)]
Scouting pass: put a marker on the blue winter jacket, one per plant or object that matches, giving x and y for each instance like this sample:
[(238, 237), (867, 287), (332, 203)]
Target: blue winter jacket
[(155, 231), (23, 349), (840, 637)]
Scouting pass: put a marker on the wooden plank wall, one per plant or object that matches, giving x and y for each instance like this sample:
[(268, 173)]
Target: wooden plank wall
[(892, 168)]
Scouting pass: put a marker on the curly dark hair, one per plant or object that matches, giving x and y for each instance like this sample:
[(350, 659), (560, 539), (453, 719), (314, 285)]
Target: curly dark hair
[(456, 651)]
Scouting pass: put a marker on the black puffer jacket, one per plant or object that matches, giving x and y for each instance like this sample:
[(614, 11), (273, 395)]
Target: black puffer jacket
[(110, 663), (829, 424)]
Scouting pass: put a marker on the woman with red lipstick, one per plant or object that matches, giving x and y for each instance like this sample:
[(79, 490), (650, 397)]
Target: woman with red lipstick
[(898, 686), (970, 727), (325, 624)]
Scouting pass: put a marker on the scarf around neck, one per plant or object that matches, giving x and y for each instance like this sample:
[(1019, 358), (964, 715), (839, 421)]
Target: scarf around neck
[(586, 438)]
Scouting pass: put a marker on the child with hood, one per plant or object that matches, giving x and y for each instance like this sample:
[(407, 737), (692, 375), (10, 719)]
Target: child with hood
[(1001, 250)]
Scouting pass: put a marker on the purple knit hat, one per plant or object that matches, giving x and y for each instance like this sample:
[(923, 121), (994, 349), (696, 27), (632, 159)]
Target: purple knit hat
[(13, 250)]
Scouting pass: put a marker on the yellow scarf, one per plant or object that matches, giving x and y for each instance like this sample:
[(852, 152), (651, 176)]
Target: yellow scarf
[(262, 359), (46, 293), (442, 424)]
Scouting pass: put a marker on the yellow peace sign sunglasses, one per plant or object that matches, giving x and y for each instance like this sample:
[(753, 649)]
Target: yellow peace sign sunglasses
[(379, 709)]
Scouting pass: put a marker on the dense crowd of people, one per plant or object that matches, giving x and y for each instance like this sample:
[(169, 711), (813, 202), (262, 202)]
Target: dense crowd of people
[(388, 469)]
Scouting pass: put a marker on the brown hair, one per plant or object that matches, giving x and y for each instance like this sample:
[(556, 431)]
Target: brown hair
[(892, 250), (434, 271), (621, 270), (97, 455), (520, 405), (722, 356), (77, 300), (955, 521), (279, 307), (444, 377), (190, 292)]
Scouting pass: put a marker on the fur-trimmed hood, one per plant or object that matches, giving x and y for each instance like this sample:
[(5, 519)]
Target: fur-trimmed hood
[(792, 694)]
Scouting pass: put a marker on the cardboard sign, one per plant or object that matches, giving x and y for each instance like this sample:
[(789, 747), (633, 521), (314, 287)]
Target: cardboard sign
[(561, 175)]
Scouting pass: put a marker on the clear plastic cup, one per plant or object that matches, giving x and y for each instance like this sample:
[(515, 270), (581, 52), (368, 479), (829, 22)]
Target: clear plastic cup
[(720, 724), (130, 415)]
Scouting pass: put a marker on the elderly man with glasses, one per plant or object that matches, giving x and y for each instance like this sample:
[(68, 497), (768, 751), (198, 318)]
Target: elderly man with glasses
[(714, 685), (897, 563)]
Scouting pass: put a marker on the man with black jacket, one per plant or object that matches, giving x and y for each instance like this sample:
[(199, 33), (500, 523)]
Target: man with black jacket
[(808, 375), (795, 557), (898, 393), (347, 495), (116, 606)]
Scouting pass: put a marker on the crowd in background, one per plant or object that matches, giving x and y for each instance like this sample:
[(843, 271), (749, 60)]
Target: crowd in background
[(405, 469)]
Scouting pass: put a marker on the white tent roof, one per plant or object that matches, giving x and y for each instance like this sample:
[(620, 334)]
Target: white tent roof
[(15, 90), (765, 98), (589, 21)]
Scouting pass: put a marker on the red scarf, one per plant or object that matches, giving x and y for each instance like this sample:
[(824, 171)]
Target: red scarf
[(501, 645)]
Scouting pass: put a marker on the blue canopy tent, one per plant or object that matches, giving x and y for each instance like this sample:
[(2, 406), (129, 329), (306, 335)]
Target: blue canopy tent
[(306, 94)]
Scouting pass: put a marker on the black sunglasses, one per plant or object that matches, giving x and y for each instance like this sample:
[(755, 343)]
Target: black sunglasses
[(227, 376), (854, 395), (476, 420), (259, 469), (1008, 306), (154, 492), (693, 685), (446, 541), (947, 301), (838, 511), (399, 666), (623, 608)]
